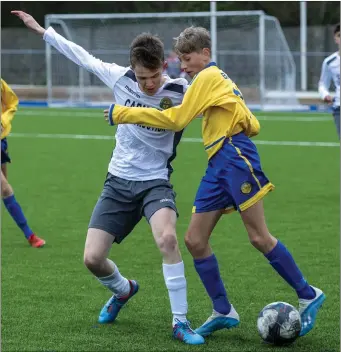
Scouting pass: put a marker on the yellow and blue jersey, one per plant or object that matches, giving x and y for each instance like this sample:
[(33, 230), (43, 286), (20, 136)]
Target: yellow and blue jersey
[(9, 105), (234, 179), (211, 93)]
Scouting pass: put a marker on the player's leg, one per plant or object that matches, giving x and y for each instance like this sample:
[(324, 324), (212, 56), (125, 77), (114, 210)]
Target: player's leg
[(224, 316), (163, 223), (113, 218), (252, 185), (336, 115), (277, 254), (160, 211), (310, 298), (4, 170), (205, 262), (97, 247), (14, 209), (211, 201)]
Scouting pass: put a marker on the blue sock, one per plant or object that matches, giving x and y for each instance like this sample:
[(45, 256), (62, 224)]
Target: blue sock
[(282, 261), (15, 211), (208, 271)]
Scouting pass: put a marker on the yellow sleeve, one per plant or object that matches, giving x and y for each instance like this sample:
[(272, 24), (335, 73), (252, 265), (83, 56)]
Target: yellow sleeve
[(9, 101), (196, 100)]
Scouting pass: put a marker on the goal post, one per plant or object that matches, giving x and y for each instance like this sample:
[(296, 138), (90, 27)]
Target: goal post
[(248, 45)]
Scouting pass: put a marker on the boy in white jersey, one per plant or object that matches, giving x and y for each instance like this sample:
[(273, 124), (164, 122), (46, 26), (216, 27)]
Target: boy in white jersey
[(331, 71), (137, 183)]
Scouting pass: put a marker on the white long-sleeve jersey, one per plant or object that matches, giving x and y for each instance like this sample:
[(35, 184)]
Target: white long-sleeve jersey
[(330, 71), (141, 153)]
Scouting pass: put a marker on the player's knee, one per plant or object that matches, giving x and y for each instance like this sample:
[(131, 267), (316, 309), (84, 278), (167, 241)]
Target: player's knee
[(167, 242), (256, 241), (194, 243), (6, 189), (92, 261), (263, 242)]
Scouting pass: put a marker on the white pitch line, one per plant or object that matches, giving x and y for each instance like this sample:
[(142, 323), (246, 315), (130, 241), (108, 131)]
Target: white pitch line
[(56, 113), (299, 144), (293, 118), (98, 115), (287, 143), (187, 140), (62, 136)]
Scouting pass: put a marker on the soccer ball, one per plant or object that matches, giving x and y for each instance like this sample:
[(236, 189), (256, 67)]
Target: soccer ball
[(279, 323)]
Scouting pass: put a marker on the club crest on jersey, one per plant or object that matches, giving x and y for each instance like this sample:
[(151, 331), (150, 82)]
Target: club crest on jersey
[(246, 187), (166, 103)]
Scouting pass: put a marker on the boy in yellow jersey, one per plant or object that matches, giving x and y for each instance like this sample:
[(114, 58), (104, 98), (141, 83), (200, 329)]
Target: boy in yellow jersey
[(9, 105), (234, 179)]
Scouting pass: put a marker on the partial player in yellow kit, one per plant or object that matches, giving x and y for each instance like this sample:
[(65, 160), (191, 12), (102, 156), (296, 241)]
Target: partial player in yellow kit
[(234, 179), (9, 105)]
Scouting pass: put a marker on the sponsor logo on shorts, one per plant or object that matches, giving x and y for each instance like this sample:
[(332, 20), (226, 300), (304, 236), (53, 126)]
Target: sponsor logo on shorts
[(167, 200), (166, 103), (246, 187)]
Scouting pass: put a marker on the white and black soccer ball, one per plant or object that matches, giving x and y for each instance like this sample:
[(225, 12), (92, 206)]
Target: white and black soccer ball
[(279, 323)]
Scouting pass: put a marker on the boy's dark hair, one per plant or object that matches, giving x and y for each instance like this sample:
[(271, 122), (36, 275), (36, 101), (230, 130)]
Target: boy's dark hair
[(337, 28), (192, 39), (147, 50)]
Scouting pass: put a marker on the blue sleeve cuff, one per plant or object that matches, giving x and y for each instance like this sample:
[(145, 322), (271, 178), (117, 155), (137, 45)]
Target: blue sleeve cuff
[(111, 109)]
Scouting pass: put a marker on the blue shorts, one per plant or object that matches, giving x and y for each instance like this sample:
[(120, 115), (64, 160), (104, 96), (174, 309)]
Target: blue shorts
[(234, 179), (4, 152)]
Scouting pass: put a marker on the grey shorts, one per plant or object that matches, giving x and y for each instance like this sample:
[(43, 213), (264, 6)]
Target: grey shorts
[(123, 203)]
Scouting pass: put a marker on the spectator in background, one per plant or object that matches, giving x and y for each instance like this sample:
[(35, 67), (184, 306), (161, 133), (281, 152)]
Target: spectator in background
[(331, 71), (173, 67)]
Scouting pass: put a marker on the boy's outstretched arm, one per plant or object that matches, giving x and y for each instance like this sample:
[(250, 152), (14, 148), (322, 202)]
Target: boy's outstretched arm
[(29, 22), (108, 73), (196, 100)]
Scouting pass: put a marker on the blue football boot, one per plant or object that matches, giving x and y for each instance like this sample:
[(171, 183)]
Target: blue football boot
[(183, 332), (308, 309), (219, 321), (111, 309)]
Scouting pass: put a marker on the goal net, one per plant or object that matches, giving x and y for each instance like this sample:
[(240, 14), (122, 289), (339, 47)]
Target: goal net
[(249, 46)]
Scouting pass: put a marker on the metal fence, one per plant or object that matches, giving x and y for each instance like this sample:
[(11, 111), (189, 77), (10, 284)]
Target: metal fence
[(23, 55), (28, 67)]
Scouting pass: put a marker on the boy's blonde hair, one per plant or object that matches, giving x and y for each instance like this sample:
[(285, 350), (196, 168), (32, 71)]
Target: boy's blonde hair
[(192, 39)]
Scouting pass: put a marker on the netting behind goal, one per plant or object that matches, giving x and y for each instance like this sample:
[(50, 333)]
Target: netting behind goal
[(250, 48)]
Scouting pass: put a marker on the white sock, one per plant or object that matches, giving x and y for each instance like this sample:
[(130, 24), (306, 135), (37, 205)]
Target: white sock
[(217, 314), (175, 280), (116, 283)]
